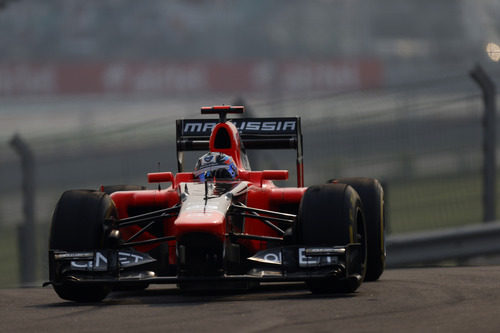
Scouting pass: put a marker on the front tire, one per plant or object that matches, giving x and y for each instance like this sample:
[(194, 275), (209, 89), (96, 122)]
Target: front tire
[(331, 215), (372, 197), (78, 225)]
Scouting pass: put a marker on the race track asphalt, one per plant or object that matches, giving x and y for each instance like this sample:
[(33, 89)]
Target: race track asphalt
[(453, 299)]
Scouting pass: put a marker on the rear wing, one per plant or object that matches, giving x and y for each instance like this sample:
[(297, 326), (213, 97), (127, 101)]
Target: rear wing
[(255, 133)]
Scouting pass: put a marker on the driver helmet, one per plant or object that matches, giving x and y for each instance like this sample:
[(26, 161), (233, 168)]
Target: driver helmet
[(215, 165)]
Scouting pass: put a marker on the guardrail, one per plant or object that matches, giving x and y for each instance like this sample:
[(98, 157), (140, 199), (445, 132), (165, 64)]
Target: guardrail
[(435, 246)]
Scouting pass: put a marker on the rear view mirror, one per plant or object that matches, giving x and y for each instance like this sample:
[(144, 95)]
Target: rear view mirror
[(275, 174), (160, 177)]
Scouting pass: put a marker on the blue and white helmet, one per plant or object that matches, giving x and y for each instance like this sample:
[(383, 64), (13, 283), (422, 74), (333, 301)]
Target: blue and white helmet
[(215, 165)]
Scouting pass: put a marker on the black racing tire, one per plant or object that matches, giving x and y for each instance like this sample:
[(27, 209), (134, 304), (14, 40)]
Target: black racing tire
[(372, 198), (78, 225), (331, 215), (108, 189)]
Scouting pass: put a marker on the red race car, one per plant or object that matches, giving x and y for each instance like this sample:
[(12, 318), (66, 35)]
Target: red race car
[(220, 225)]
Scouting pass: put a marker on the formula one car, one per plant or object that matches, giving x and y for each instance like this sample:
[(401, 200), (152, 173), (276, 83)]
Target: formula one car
[(221, 225)]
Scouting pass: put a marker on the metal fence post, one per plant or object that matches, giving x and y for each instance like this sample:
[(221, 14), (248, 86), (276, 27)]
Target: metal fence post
[(489, 141), (26, 231)]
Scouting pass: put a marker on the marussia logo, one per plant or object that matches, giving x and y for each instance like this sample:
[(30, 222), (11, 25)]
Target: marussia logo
[(244, 126)]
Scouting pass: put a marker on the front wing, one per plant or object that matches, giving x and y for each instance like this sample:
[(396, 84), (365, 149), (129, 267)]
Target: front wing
[(279, 264)]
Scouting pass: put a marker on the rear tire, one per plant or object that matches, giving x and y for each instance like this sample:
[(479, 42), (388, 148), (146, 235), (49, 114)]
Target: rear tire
[(78, 225), (372, 197), (331, 215)]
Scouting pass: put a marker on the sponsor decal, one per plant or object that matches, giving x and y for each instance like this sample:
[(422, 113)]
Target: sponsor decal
[(307, 257), (271, 256), (315, 261), (277, 126), (199, 127), (100, 261), (266, 126)]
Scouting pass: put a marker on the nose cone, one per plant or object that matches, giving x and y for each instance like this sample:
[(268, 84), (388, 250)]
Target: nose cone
[(212, 222), (203, 211)]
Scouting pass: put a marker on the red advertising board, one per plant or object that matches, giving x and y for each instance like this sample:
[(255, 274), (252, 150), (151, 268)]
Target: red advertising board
[(188, 77)]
